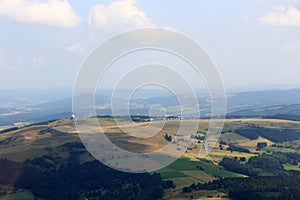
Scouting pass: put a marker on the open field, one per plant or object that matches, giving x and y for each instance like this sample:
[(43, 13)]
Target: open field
[(291, 167), (219, 154), (31, 142), (47, 139), (233, 138), (66, 128), (28, 142), (271, 149), (184, 172), (251, 144), (198, 195)]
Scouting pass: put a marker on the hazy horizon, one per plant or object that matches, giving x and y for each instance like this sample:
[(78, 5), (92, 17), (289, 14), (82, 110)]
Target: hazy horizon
[(254, 44)]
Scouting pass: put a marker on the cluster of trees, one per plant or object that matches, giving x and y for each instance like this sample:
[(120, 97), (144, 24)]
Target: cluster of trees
[(250, 133), (55, 178), (7, 140), (232, 147), (42, 123), (285, 117), (259, 188), (288, 145), (9, 130), (168, 137), (200, 137), (267, 178), (257, 165), (169, 184), (140, 118), (74, 145), (275, 135), (292, 158), (35, 124), (234, 165), (265, 162), (9, 170), (261, 145)]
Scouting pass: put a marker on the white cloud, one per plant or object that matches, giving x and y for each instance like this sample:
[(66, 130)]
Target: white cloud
[(38, 61), (119, 15), (292, 48), (53, 12), (283, 16), (76, 48)]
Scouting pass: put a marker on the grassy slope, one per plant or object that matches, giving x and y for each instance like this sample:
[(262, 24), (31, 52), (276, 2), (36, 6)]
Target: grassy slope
[(185, 172), (19, 194), (27, 143), (291, 167)]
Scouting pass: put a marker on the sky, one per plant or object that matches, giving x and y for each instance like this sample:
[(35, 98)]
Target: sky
[(254, 43)]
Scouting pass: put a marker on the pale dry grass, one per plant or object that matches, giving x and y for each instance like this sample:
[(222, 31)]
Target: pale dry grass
[(252, 144)]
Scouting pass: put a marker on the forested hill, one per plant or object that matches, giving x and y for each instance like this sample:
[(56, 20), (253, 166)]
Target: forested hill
[(289, 112)]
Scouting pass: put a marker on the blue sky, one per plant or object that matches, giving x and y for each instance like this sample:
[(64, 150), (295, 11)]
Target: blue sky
[(254, 43)]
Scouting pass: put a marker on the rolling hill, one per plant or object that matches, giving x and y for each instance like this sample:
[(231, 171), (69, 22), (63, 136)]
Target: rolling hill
[(278, 112)]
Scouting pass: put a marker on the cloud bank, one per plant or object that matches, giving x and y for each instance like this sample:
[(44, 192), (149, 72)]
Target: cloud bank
[(119, 15), (57, 13), (283, 16)]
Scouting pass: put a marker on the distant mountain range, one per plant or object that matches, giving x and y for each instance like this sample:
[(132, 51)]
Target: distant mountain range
[(264, 98), (290, 112), (31, 106)]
